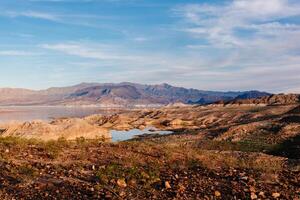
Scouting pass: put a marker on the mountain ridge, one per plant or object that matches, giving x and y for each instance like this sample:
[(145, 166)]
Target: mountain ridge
[(274, 99), (125, 93)]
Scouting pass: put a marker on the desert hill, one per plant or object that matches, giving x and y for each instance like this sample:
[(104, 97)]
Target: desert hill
[(275, 99)]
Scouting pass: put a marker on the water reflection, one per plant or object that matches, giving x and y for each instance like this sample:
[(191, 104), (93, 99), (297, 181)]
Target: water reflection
[(127, 135)]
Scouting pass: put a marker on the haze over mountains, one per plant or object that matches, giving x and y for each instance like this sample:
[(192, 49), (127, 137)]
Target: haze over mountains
[(120, 94)]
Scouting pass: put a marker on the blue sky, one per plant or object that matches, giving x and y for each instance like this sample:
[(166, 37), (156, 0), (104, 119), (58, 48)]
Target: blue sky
[(208, 44)]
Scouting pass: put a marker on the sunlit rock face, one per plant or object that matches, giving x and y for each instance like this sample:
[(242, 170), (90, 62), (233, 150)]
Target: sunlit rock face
[(69, 129)]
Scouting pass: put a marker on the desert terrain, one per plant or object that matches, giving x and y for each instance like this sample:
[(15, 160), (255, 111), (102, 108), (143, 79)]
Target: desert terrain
[(150, 100), (244, 150)]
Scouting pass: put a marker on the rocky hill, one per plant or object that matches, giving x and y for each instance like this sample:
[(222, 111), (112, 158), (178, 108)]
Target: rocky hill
[(117, 94), (276, 99)]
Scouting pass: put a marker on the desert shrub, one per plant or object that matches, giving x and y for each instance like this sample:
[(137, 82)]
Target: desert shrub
[(17, 141), (26, 170), (115, 171), (214, 159), (244, 145), (289, 148)]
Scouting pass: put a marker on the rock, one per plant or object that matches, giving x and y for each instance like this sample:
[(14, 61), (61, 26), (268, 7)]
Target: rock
[(69, 129), (276, 195), (253, 195), (145, 175), (181, 189), (122, 193), (262, 194), (6, 150), (252, 189), (244, 178), (122, 183), (217, 193), (167, 185), (132, 182)]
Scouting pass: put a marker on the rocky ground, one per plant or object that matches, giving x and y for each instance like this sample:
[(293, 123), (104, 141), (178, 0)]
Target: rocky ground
[(216, 152)]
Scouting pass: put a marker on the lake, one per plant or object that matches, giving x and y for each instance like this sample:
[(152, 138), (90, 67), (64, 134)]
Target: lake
[(29, 113), (127, 135)]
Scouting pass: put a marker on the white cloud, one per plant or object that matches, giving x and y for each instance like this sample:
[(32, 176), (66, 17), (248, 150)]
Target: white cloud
[(259, 7), (33, 14), (219, 24), (99, 52), (247, 45), (17, 53), (87, 20), (259, 38), (140, 39)]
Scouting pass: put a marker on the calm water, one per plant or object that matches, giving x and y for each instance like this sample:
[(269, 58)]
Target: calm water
[(29, 113), (127, 135)]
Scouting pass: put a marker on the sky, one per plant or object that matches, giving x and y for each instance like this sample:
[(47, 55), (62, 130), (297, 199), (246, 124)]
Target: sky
[(205, 44)]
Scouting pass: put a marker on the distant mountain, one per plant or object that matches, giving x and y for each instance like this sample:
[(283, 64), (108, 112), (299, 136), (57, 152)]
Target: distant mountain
[(253, 95), (110, 94), (18, 96)]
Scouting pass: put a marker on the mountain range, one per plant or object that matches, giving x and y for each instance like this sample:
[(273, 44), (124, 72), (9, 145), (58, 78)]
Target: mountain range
[(118, 94)]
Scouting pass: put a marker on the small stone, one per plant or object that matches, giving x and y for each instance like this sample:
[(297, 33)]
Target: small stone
[(156, 180), (252, 189), (145, 175), (206, 197), (262, 194), (132, 182), (122, 183), (181, 188), (276, 195), (217, 193), (6, 150), (167, 185), (122, 193), (253, 196)]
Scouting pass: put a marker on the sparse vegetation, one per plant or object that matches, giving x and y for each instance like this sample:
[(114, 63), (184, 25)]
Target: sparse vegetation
[(191, 164), (244, 146)]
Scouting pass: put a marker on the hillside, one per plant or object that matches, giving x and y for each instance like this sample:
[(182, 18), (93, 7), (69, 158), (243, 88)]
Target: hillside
[(249, 152), (109, 94), (275, 99)]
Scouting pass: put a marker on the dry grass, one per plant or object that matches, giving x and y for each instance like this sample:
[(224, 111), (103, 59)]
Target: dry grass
[(214, 155)]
